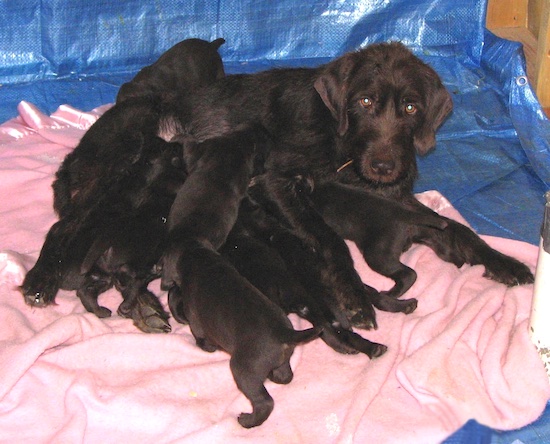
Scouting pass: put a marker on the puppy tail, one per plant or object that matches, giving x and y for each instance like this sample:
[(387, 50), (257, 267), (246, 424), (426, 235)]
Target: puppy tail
[(218, 42), (295, 337)]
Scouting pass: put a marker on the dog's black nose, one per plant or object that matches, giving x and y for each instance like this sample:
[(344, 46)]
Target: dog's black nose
[(383, 167)]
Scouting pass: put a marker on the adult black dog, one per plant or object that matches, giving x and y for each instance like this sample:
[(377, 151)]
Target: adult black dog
[(105, 157), (377, 107)]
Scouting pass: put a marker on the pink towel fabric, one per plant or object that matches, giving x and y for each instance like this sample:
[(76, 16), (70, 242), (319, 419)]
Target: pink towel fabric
[(67, 376)]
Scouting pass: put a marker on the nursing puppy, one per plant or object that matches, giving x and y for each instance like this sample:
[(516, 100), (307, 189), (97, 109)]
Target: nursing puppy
[(105, 156), (118, 240), (104, 150), (227, 312), (189, 64), (256, 246), (381, 228), (223, 309)]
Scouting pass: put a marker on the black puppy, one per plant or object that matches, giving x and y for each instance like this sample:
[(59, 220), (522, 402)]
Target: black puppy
[(256, 246), (118, 240), (186, 66), (382, 228), (207, 204), (226, 312), (109, 144), (105, 157), (223, 309)]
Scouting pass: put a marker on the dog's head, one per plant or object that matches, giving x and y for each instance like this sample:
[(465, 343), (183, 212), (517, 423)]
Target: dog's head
[(387, 104)]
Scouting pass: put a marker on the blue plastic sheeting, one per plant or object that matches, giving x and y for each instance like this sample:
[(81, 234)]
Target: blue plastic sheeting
[(492, 159), (493, 154)]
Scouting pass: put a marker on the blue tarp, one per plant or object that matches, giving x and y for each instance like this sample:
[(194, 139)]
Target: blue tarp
[(493, 154)]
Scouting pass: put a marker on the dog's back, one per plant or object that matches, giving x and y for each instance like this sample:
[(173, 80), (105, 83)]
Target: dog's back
[(187, 65)]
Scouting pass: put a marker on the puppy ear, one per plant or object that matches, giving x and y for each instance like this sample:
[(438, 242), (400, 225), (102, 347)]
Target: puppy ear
[(439, 105), (332, 93)]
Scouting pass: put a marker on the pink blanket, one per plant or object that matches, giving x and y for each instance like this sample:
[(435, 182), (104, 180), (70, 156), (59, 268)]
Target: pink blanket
[(67, 376)]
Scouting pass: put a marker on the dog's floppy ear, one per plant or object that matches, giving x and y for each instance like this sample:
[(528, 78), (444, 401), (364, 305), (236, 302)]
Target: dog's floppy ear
[(438, 104), (331, 86)]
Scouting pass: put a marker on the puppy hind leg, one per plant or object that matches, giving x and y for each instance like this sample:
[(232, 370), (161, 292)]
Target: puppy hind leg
[(89, 292), (282, 374), (139, 304), (390, 304), (251, 383), (176, 304)]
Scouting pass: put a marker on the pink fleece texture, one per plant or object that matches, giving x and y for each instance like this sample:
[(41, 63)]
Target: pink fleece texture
[(67, 376)]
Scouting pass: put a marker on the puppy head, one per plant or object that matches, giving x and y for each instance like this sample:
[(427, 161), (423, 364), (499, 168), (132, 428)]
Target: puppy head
[(387, 104)]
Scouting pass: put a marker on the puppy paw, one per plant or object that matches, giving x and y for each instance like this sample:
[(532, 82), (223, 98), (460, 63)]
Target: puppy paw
[(377, 350), (257, 417), (206, 345), (282, 374)]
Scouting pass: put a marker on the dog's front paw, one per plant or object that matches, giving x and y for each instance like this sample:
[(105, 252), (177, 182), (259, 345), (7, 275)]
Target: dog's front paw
[(39, 289), (509, 272)]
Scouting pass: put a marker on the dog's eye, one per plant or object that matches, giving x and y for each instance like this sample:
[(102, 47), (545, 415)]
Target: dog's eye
[(410, 108), (365, 102)]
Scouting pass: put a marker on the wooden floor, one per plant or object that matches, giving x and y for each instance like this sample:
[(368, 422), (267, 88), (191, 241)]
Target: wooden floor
[(529, 41)]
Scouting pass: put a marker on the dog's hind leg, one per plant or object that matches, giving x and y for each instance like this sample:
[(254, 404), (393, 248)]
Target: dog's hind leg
[(140, 305), (94, 284), (176, 304), (282, 374), (251, 383)]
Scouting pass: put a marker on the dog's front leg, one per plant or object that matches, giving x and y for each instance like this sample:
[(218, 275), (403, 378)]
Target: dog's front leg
[(458, 244), (351, 294)]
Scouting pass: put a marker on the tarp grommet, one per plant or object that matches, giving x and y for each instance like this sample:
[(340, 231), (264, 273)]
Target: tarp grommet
[(522, 80)]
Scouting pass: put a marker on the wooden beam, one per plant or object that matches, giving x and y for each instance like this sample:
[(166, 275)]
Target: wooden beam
[(506, 14), (542, 73)]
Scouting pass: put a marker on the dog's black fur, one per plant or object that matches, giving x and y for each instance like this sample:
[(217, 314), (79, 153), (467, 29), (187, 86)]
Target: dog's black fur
[(378, 107), (110, 144), (226, 312), (207, 204), (381, 228), (93, 174), (278, 264), (118, 240), (223, 309), (186, 66)]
